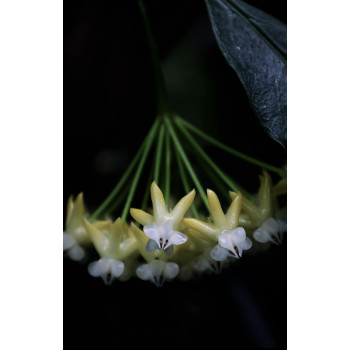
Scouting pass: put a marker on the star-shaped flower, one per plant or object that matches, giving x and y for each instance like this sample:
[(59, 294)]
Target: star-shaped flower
[(75, 235), (231, 239), (272, 230), (158, 271), (231, 243), (264, 206), (107, 269), (113, 244), (161, 228)]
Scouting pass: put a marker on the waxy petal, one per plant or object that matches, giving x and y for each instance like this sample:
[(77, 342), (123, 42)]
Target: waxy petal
[(157, 271), (182, 207), (270, 225), (219, 253), (98, 239), (171, 270), (76, 253), (152, 245), (68, 241), (234, 210), (207, 231), (262, 236), (165, 229), (76, 213), (265, 193), (225, 241), (107, 269), (247, 244), (216, 210), (159, 207), (152, 232), (176, 238), (141, 216)]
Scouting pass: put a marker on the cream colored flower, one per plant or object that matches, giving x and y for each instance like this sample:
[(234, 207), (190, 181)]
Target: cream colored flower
[(255, 213), (223, 230), (162, 228), (114, 244), (158, 271), (75, 235)]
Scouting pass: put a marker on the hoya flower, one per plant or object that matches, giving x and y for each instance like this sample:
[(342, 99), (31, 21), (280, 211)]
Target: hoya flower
[(158, 271), (75, 235), (205, 262), (113, 245), (162, 228), (163, 237), (231, 244), (72, 248), (271, 230), (263, 206), (107, 269), (231, 239)]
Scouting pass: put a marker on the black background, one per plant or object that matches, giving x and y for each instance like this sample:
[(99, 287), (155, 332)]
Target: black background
[(109, 104)]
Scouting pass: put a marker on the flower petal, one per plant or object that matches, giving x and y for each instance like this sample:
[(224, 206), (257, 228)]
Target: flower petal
[(182, 207), (99, 268), (159, 208), (165, 229), (144, 272), (152, 245), (116, 267), (225, 241), (247, 244), (68, 241), (171, 270), (262, 236), (169, 250), (152, 232), (215, 209), (176, 238), (141, 216), (219, 253), (270, 225), (238, 235), (76, 253)]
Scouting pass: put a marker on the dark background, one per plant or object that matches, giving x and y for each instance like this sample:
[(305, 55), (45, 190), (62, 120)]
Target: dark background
[(109, 104)]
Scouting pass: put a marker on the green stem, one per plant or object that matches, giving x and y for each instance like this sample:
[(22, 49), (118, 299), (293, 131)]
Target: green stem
[(185, 183), (230, 150), (139, 170), (167, 169), (187, 163), (232, 184), (215, 179), (149, 181), (159, 153), (118, 200), (124, 178), (163, 101)]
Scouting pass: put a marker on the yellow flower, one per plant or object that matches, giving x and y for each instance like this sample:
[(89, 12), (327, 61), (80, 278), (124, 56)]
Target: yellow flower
[(75, 235), (263, 216), (224, 230), (113, 243), (253, 215), (161, 228)]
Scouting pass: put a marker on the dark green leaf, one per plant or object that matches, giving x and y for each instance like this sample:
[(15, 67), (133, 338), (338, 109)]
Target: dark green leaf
[(254, 45)]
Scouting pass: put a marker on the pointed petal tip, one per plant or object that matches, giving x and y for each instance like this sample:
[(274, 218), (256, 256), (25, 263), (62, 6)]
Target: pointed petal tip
[(154, 186)]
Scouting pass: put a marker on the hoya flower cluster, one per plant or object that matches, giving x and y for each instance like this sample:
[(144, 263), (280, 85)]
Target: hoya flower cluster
[(170, 242), (164, 243)]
